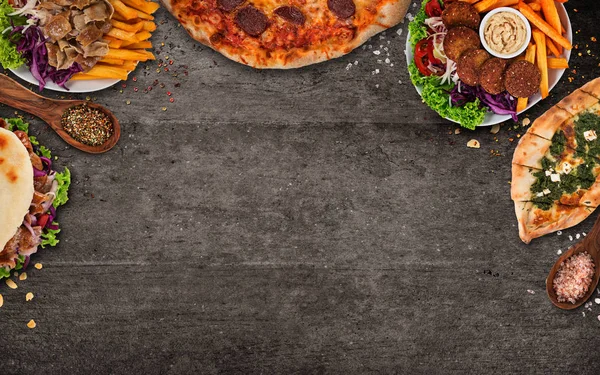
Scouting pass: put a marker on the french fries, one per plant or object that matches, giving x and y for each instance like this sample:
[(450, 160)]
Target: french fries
[(551, 14), (541, 58), (544, 27), (133, 28), (128, 39), (122, 35), (104, 71), (552, 47), (501, 3), (128, 54), (144, 6), (557, 63), (125, 11), (484, 4)]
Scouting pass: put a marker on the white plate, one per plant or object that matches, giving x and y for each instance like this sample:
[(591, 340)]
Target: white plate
[(73, 86), (553, 74)]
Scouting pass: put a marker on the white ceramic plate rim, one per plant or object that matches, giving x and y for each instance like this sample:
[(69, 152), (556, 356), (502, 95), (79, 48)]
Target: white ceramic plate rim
[(554, 75), (73, 86)]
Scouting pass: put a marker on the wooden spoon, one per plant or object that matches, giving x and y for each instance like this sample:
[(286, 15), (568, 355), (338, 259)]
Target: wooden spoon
[(50, 110), (591, 244)]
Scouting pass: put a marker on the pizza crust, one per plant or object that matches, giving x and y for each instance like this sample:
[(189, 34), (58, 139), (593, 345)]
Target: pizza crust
[(534, 223), (530, 151), (592, 88), (578, 101), (522, 179), (388, 16), (547, 124)]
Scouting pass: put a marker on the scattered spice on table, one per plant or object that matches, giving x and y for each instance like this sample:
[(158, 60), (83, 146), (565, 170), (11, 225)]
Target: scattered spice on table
[(11, 284), (90, 126), (574, 277), (31, 324)]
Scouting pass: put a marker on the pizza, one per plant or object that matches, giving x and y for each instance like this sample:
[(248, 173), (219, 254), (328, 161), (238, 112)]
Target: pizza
[(284, 34), (556, 165)]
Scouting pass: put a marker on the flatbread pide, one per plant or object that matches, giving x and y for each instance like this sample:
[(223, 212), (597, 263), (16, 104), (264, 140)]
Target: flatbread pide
[(556, 165)]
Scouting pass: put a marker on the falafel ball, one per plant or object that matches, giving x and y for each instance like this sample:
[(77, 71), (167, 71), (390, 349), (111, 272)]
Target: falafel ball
[(461, 14), (458, 40), (469, 64), (491, 75), (522, 79)]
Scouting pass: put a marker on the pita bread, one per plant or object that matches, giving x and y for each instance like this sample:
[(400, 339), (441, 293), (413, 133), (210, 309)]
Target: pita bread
[(16, 185)]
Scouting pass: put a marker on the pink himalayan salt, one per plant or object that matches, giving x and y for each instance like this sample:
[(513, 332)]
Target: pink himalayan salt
[(574, 277)]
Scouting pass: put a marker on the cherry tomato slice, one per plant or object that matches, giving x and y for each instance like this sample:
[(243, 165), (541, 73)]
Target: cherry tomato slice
[(433, 9), (43, 220), (421, 58)]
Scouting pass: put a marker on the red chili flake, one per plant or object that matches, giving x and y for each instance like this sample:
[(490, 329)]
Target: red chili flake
[(149, 88), (166, 69), (134, 79), (171, 62), (171, 100), (124, 85), (135, 89), (169, 93)]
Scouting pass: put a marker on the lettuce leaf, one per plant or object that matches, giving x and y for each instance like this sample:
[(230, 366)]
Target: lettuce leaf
[(437, 97), (417, 27), (64, 181), (9, 57), (5, 271), (17, 124), (49, 237)]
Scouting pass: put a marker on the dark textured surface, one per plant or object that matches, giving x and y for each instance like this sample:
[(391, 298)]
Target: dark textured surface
[(321, 220)]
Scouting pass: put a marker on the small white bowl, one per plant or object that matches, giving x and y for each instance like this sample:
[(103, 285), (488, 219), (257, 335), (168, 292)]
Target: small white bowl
[(482, 29)]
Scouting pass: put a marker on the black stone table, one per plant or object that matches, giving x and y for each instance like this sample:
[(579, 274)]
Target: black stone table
[(319, 220)]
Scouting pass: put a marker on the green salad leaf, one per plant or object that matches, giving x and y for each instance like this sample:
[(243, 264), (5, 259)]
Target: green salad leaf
[(49, 237), (17, 124), (417, 27), (64, 181), (434, 94), (9, 57)]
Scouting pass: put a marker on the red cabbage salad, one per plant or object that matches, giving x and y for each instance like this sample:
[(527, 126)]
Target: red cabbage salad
[(23, 42), (39, 227), (436, 74)]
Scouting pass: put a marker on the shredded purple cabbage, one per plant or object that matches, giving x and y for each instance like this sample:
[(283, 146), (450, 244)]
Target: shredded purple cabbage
[(501, 104), (31, 44)]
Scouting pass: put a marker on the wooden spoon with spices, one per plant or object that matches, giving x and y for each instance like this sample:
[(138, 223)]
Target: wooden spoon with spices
[(51, 111), (589, 244)]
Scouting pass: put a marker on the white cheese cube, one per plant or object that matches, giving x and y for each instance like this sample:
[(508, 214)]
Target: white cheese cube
[(590, 135), (566, 167), (540, 194), (546, 191), (555, 177), (548, 173)]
